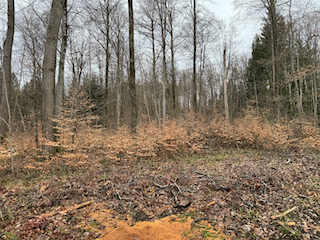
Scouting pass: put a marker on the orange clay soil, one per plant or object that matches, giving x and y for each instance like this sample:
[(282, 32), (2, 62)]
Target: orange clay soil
[(168, 228)]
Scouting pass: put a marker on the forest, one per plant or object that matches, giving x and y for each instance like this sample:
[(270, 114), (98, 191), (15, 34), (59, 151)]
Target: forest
[(147, 119)]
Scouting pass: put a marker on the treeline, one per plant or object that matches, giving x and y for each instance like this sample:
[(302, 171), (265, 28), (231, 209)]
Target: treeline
[(184, 58)]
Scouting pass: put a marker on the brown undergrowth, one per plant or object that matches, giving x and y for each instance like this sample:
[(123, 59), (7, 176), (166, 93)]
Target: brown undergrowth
[(190, 134)]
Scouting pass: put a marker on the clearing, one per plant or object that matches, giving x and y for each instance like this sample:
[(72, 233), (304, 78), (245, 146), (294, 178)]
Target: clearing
[(226, 194)]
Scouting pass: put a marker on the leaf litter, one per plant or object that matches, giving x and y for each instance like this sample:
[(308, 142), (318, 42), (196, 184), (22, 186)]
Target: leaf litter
[(247, 195)]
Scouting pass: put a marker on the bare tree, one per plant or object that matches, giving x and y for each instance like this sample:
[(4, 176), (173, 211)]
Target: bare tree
[(49, 66), (132, 78), (63, 50), (225, 90), (162, 15), (100, 15), (119, 23), (194, 76), (148, 26), (6, 68)]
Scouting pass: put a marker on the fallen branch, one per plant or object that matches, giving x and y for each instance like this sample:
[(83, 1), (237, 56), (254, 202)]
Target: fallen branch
[(1, 216), (158, 185), (283, 214), (204, 175), (74, 207)]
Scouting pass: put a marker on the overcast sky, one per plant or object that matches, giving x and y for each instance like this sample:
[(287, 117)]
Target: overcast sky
[(224, 10)]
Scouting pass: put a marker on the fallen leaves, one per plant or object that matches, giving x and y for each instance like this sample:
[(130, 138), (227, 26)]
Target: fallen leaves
[(240, 203)]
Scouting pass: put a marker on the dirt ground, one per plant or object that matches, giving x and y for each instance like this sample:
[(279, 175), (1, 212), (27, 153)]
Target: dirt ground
[(227, 194)]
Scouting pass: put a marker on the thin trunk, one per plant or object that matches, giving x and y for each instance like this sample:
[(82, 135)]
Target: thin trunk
[(202, 95), (119, 80), (315, 100), (256, 94), (154, 77), (225, 90), (132, 78), (34, 95), (194, 76), (164, 61), (173, 75), (16, 104), (300, 86), (144, 91), (315, 87), (289, 84), (60, 84), (107, 52)]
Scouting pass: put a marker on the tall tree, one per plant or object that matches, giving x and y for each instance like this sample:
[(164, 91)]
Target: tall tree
[(148, 25), (225, 91), (101, 14), (49, 67), (6, 69), (162, 14), (194, 76), (63, 50), (132, 75)]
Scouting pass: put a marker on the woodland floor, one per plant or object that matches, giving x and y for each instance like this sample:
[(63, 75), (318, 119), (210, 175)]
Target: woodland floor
[(227, 194)]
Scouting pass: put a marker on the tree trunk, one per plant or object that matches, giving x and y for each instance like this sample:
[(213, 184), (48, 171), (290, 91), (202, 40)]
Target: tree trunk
[(6, 64), (119, 78), (315, 99), (315, 88), (194, 76), (154, 76), (107, 52), (225, 90), (132, 78), (163, 22), (49, 66), (173, 75), (60, 84), (300, 88), (256, 94)]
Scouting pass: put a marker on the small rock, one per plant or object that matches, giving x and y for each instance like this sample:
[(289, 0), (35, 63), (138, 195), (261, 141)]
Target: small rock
[(86, 234)]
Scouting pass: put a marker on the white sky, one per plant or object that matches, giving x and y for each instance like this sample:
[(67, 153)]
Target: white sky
[(224, 10)]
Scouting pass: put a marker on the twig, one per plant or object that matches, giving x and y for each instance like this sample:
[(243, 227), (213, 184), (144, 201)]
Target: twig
[(175, 184), (285, 213), (122, 198), (274, 172), (175, 197), (1, 216), (264, 184), (232, 168), (191, 191), (164, 186), (130, 180), (205, 175)]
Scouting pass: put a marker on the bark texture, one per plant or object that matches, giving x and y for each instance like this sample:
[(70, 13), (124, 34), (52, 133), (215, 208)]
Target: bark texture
[(49, 66), (132, 72), (6, 65)]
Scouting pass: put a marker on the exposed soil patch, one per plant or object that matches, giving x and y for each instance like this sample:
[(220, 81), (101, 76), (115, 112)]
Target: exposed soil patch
[(243, 195)]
